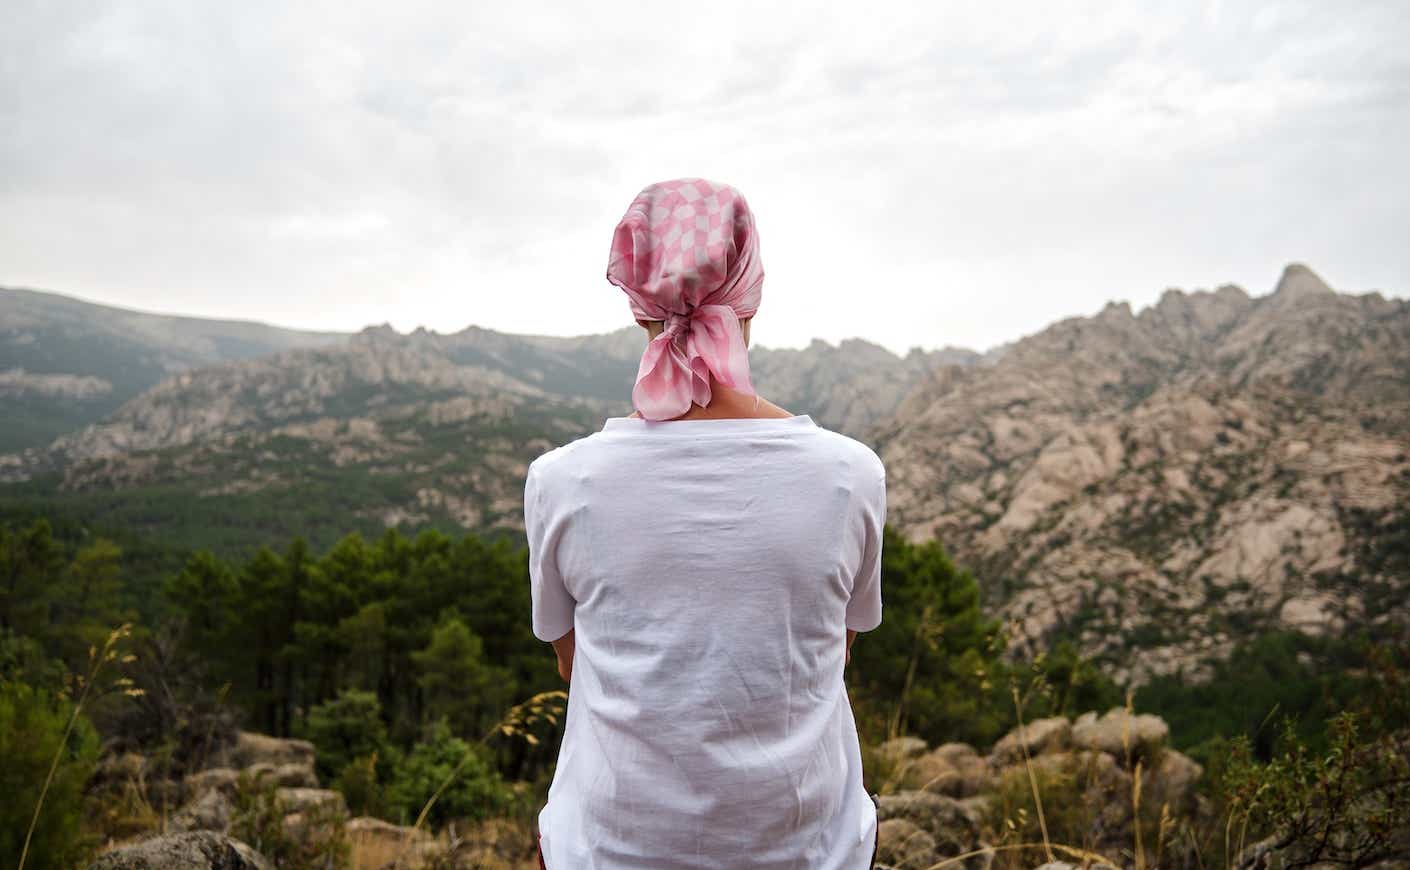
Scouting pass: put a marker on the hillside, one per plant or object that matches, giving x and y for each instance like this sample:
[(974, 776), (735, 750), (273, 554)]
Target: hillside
[(65, 362), (1160, 484), (385, 429)]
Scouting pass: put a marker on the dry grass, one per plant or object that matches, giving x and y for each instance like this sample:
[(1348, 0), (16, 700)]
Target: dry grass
[(372, 853), (481, 847), (1049, 849)]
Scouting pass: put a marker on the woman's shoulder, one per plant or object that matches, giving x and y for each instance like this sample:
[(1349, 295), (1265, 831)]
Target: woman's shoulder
[(861, 457), (545, 462)]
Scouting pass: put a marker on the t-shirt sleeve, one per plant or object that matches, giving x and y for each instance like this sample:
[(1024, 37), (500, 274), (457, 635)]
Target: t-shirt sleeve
[(552, 605), (864, 607)]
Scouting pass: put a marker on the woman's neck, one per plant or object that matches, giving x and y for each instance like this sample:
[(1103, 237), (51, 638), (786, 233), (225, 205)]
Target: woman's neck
[(729, 403)]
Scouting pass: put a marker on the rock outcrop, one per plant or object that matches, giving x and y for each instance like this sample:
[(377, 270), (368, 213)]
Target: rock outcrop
[(210, 811), (1121, 734), (952, 799), (918, 828), (253, 749), (201, 850), (282, 764), (1033, 738), (1222, 463)]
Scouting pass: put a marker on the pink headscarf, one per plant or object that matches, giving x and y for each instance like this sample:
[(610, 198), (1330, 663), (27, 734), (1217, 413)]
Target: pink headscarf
[(686, 252)]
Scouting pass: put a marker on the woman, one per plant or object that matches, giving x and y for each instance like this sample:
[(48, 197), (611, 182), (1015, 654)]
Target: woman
[(702, 568)]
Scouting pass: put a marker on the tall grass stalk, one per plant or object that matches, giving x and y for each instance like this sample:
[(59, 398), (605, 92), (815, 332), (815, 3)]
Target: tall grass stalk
[(1135, 777), (1032, 778), (96, 660), (1166, 823)]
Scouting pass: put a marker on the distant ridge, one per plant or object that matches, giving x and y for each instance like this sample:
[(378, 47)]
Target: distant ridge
[(51, 343), (66, 363)]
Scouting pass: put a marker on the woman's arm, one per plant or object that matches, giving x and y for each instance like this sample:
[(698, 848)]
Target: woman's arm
[(851, 636), (563, 648)]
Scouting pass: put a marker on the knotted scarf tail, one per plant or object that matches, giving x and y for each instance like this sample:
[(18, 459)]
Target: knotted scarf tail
[(670, 378)]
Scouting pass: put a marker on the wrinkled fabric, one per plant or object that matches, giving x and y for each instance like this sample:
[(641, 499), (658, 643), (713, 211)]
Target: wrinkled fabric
[(687, 253), (709, 570)]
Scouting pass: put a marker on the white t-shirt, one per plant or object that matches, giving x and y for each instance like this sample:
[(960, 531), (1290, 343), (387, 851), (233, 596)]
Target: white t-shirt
[(710, 568)]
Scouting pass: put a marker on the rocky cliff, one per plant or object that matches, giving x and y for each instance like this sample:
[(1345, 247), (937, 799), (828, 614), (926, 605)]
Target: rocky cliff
[(1159, 484)]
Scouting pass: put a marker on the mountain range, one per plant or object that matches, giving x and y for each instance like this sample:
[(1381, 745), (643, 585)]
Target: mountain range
[(1154, 485), (1175, 479)]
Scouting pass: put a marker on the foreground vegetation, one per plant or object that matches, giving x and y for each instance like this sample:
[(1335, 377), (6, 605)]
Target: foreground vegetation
[(399, 658)]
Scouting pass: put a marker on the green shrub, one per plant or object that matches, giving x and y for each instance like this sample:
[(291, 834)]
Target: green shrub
[(361, 788), (32, 727), (926, 669), (1346, 806), (475, 791)]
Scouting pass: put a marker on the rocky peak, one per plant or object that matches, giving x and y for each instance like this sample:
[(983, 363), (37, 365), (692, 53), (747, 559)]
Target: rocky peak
[(376, 334), (1300, 281), (1197, 318), (1116, 312)]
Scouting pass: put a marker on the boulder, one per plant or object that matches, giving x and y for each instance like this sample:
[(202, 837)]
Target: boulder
[(1144, 733), (199, 850), (209, 812), (950, 825), (222, 779), (284, 775), (903, 845), (976, 807), (302, 800), (1092, 770), (252, 748), (955, 752), (1171, 779), (946, 770), (1093, 779), (930, 772), (972, 768), (1038, 736), (367, 830), (900, 749)]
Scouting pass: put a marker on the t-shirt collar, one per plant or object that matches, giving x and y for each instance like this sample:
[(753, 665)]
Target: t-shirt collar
[(703, 425)]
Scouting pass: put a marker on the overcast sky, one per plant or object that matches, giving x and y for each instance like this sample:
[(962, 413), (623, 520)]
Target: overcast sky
[(921, 174)]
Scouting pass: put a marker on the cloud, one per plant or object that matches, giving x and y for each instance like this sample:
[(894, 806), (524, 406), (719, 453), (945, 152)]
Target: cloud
[(922, 174)]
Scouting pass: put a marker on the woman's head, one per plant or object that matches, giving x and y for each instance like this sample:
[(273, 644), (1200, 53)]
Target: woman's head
[(686, 253)]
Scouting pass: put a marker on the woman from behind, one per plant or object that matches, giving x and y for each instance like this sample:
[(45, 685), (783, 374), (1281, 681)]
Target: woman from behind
[(701, 568)]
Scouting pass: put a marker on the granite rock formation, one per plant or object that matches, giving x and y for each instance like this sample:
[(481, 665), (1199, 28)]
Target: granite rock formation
[(1158, 485)]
